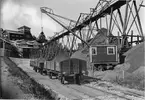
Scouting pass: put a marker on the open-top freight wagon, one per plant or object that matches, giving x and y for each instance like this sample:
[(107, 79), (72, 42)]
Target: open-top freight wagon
[(69, 70)]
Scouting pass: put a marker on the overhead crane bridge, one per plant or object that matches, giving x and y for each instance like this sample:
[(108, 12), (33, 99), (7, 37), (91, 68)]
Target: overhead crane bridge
[(107, 14)]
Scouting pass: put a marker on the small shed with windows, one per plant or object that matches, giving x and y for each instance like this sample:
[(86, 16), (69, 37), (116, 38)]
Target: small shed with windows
[(100, 52), (106, 54)]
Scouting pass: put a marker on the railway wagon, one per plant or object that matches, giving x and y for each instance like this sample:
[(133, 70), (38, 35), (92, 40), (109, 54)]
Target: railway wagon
[(39, 65), (104, 57), (69, 70), (72, 69), (52, 67)]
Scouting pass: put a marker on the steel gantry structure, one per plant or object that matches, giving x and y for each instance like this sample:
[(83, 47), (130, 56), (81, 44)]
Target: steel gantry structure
[(119, 17)]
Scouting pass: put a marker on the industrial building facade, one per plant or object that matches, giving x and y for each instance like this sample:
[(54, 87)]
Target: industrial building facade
[(22, 33), (22, 39)]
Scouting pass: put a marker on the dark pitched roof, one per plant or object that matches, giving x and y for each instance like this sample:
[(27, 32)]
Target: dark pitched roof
[(24, 27)]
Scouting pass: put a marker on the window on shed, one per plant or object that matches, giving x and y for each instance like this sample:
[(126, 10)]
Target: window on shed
[(110, 50), (94, 50)]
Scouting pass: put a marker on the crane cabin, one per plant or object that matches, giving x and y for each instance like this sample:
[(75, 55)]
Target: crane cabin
[(103, 57)]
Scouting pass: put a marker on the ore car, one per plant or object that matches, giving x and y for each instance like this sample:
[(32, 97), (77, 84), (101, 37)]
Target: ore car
[(72, 69), (61, 66), (65, 70)]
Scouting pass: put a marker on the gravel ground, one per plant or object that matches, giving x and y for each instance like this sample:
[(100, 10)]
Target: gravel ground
[(17, 85), (10, 87)]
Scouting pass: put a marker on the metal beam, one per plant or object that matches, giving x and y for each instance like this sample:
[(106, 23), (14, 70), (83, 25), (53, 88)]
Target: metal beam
[(120, 16), (115, 6), (134, 18), (139, 22), (70, 31)]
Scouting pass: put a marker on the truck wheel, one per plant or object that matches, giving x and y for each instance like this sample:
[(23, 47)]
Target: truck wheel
[(62, 79)]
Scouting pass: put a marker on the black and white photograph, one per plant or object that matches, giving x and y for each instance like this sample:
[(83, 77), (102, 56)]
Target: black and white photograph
[(72, 49)]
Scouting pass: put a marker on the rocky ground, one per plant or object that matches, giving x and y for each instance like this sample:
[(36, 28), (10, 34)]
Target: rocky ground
[(10, 87), (17, 85)]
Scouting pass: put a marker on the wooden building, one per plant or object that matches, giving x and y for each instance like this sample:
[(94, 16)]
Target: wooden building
[(25, 47), (22, 39), (101, 54), (22, 33)]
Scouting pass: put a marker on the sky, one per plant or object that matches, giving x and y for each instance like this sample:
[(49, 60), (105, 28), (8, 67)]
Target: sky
[(16, 13)]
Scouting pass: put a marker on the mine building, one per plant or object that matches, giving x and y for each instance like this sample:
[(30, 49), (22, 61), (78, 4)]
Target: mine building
[(22, 39), (22, 33), (25, 47)]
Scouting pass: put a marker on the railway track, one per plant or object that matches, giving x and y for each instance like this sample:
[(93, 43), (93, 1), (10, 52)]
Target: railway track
[(90, 97), (113, 94), (90, 93), (94, 93), (85, 92), (124, 95)]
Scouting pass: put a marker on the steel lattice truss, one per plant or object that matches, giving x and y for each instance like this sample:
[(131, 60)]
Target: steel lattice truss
[(120, 18)]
